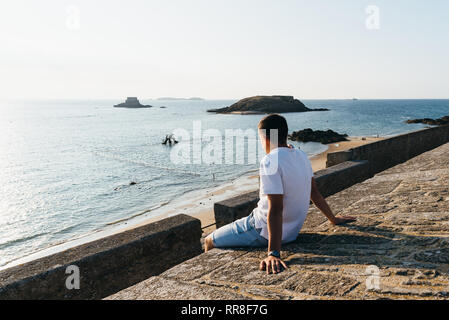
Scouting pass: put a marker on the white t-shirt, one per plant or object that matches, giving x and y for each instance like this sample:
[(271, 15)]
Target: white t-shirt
[(288, 172)]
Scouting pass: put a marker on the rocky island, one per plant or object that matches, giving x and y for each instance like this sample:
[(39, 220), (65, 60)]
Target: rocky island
[(324, 137), (132, 102), (432, 122), (266, 104)]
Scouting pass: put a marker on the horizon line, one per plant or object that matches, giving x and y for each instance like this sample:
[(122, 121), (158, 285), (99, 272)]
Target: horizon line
[(201, 98)]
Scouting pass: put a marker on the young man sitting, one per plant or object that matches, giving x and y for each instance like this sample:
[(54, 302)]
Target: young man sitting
[(286, 188)]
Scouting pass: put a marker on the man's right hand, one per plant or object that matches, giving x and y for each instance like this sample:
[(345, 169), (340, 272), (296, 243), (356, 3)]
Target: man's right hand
[(272, 265)]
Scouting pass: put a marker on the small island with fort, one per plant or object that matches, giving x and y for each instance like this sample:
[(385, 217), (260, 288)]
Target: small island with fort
[(132, 103)]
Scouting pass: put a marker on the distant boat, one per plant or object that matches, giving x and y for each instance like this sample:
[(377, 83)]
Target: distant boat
[(355, 99)]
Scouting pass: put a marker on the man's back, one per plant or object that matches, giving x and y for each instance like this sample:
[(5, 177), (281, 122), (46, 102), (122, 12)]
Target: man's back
[(288, 172), (286, 188)]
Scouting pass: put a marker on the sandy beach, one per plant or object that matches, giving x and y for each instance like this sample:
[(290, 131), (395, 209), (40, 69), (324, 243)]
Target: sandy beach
[(319, 161)]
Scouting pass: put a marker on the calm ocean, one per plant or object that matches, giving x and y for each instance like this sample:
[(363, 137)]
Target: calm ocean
[(66, 166)]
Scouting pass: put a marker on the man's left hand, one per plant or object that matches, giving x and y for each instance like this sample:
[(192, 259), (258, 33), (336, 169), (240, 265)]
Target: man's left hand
[(272, 265), (343, 220)]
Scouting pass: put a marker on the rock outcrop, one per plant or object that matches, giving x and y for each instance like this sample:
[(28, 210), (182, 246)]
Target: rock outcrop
[(266, 104), (132, 102), (170, 139), (324, 137), (433, 122)]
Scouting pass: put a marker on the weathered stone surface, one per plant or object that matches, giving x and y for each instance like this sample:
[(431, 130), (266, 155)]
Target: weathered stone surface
[(157, 288), (435, 255), (262, 293), (319, 284), (235, 208), (246, 271), (341, 176), (400, 240), (200, 265)]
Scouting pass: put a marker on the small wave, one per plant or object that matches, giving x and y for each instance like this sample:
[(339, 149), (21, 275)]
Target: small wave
[(20, 240), (160, 205), (67, 229), (78, 117)]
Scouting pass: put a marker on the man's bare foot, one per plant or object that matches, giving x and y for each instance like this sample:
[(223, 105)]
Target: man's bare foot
[(208, 244)]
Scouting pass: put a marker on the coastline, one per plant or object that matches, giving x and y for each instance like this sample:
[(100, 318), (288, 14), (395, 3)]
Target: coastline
[(198, 204), (319, 161)]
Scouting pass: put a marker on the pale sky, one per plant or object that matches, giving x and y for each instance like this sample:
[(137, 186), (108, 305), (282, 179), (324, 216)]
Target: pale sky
[(223, 49)]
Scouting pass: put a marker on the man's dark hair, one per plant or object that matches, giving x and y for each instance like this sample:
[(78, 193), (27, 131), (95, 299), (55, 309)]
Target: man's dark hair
[(275, 121)]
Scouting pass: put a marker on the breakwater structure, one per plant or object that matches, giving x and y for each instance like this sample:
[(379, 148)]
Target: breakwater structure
[(396, 187)]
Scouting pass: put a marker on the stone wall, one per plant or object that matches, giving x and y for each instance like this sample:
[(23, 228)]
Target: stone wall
[(329, 181), (107, 265), (387, 153)]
